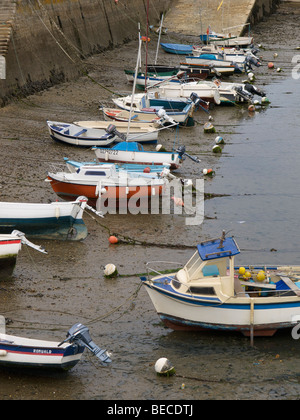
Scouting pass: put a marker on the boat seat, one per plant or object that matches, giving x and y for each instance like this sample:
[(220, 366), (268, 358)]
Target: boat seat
[(181, 276), (80, 132)]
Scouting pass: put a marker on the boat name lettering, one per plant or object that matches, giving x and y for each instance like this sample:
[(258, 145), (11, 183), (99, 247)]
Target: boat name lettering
[(42, 351)]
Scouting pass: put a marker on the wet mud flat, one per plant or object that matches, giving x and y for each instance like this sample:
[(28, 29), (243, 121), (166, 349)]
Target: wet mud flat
[(50, 293)]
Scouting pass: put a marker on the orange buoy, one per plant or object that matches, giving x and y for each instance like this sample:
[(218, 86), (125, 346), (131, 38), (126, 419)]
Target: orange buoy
[(113, 240), (147, 170), (270, 65)]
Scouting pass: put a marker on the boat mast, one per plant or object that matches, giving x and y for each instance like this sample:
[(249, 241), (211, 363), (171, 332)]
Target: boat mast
[(135, 78), (147, 33)]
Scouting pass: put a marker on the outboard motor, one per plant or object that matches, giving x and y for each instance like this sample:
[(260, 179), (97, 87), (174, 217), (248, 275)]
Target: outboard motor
[(79, 334), (182, 154), (254, 90), (112, 130), (165, 118), (198, 101), (247, 96), (251, 61)]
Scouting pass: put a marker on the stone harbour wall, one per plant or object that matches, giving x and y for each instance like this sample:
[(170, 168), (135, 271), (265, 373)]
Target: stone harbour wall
[(49, 38)]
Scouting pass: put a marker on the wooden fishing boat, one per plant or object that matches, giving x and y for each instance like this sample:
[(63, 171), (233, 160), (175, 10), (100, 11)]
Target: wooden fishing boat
[(141, 132), (10, 246), (133, 152), (179, 49), (21, 352), (57, 220), (211, 293), (74, 135), (105, 183)]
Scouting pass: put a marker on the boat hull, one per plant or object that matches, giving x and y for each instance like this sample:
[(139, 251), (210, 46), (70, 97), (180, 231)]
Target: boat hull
[(59, 221), (113, 195), (141, 158), (184, 312), (16, 352), (9, 249)]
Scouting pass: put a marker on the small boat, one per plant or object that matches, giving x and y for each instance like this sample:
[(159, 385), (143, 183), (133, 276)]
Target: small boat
[(21, 352), (206, 91), (122, 115), (216, 63), (10, 246), (74, 135), (224, 92), (163, 72), (141, 132), (234, 55), (233, 41), (211, 293), (105, 183), (180, 49), (57, 220), (192, 70), (73, 166), (147, 104), (133, 152)]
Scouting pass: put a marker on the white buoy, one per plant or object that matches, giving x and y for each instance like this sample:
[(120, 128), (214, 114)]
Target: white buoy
[(163, 367), (158, 147), (219, 140), (110, 270), (217, 149)]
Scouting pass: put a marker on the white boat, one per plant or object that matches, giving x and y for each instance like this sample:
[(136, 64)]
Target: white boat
[(56, 220), (211, 293), (207, 91), (233, 41), (141, 132), (224, 92), (105, 183), (145, 103), (133, 152), (122, 115), (78, 136), (234, 55), (10, 246), (216, 63), (22, 352)]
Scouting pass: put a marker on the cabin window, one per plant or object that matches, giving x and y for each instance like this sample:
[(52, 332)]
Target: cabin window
[(196, 290), (193, 265), (98, 173)]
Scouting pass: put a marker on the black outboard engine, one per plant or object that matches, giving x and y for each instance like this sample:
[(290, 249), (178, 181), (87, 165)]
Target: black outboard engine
[(254, 90), (182, 154), (251, 61), (112, 130), (198, 101), (243, 94), (79, 334)]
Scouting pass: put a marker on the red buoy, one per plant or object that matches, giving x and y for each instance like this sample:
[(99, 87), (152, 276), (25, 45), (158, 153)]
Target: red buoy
[(113, 240), (147, 170)]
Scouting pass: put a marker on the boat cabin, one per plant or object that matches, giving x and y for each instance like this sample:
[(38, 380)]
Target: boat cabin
[(207, 272)]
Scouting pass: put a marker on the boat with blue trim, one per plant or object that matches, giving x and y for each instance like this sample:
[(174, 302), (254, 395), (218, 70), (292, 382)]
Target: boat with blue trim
[(22, 352), (211, 293)]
